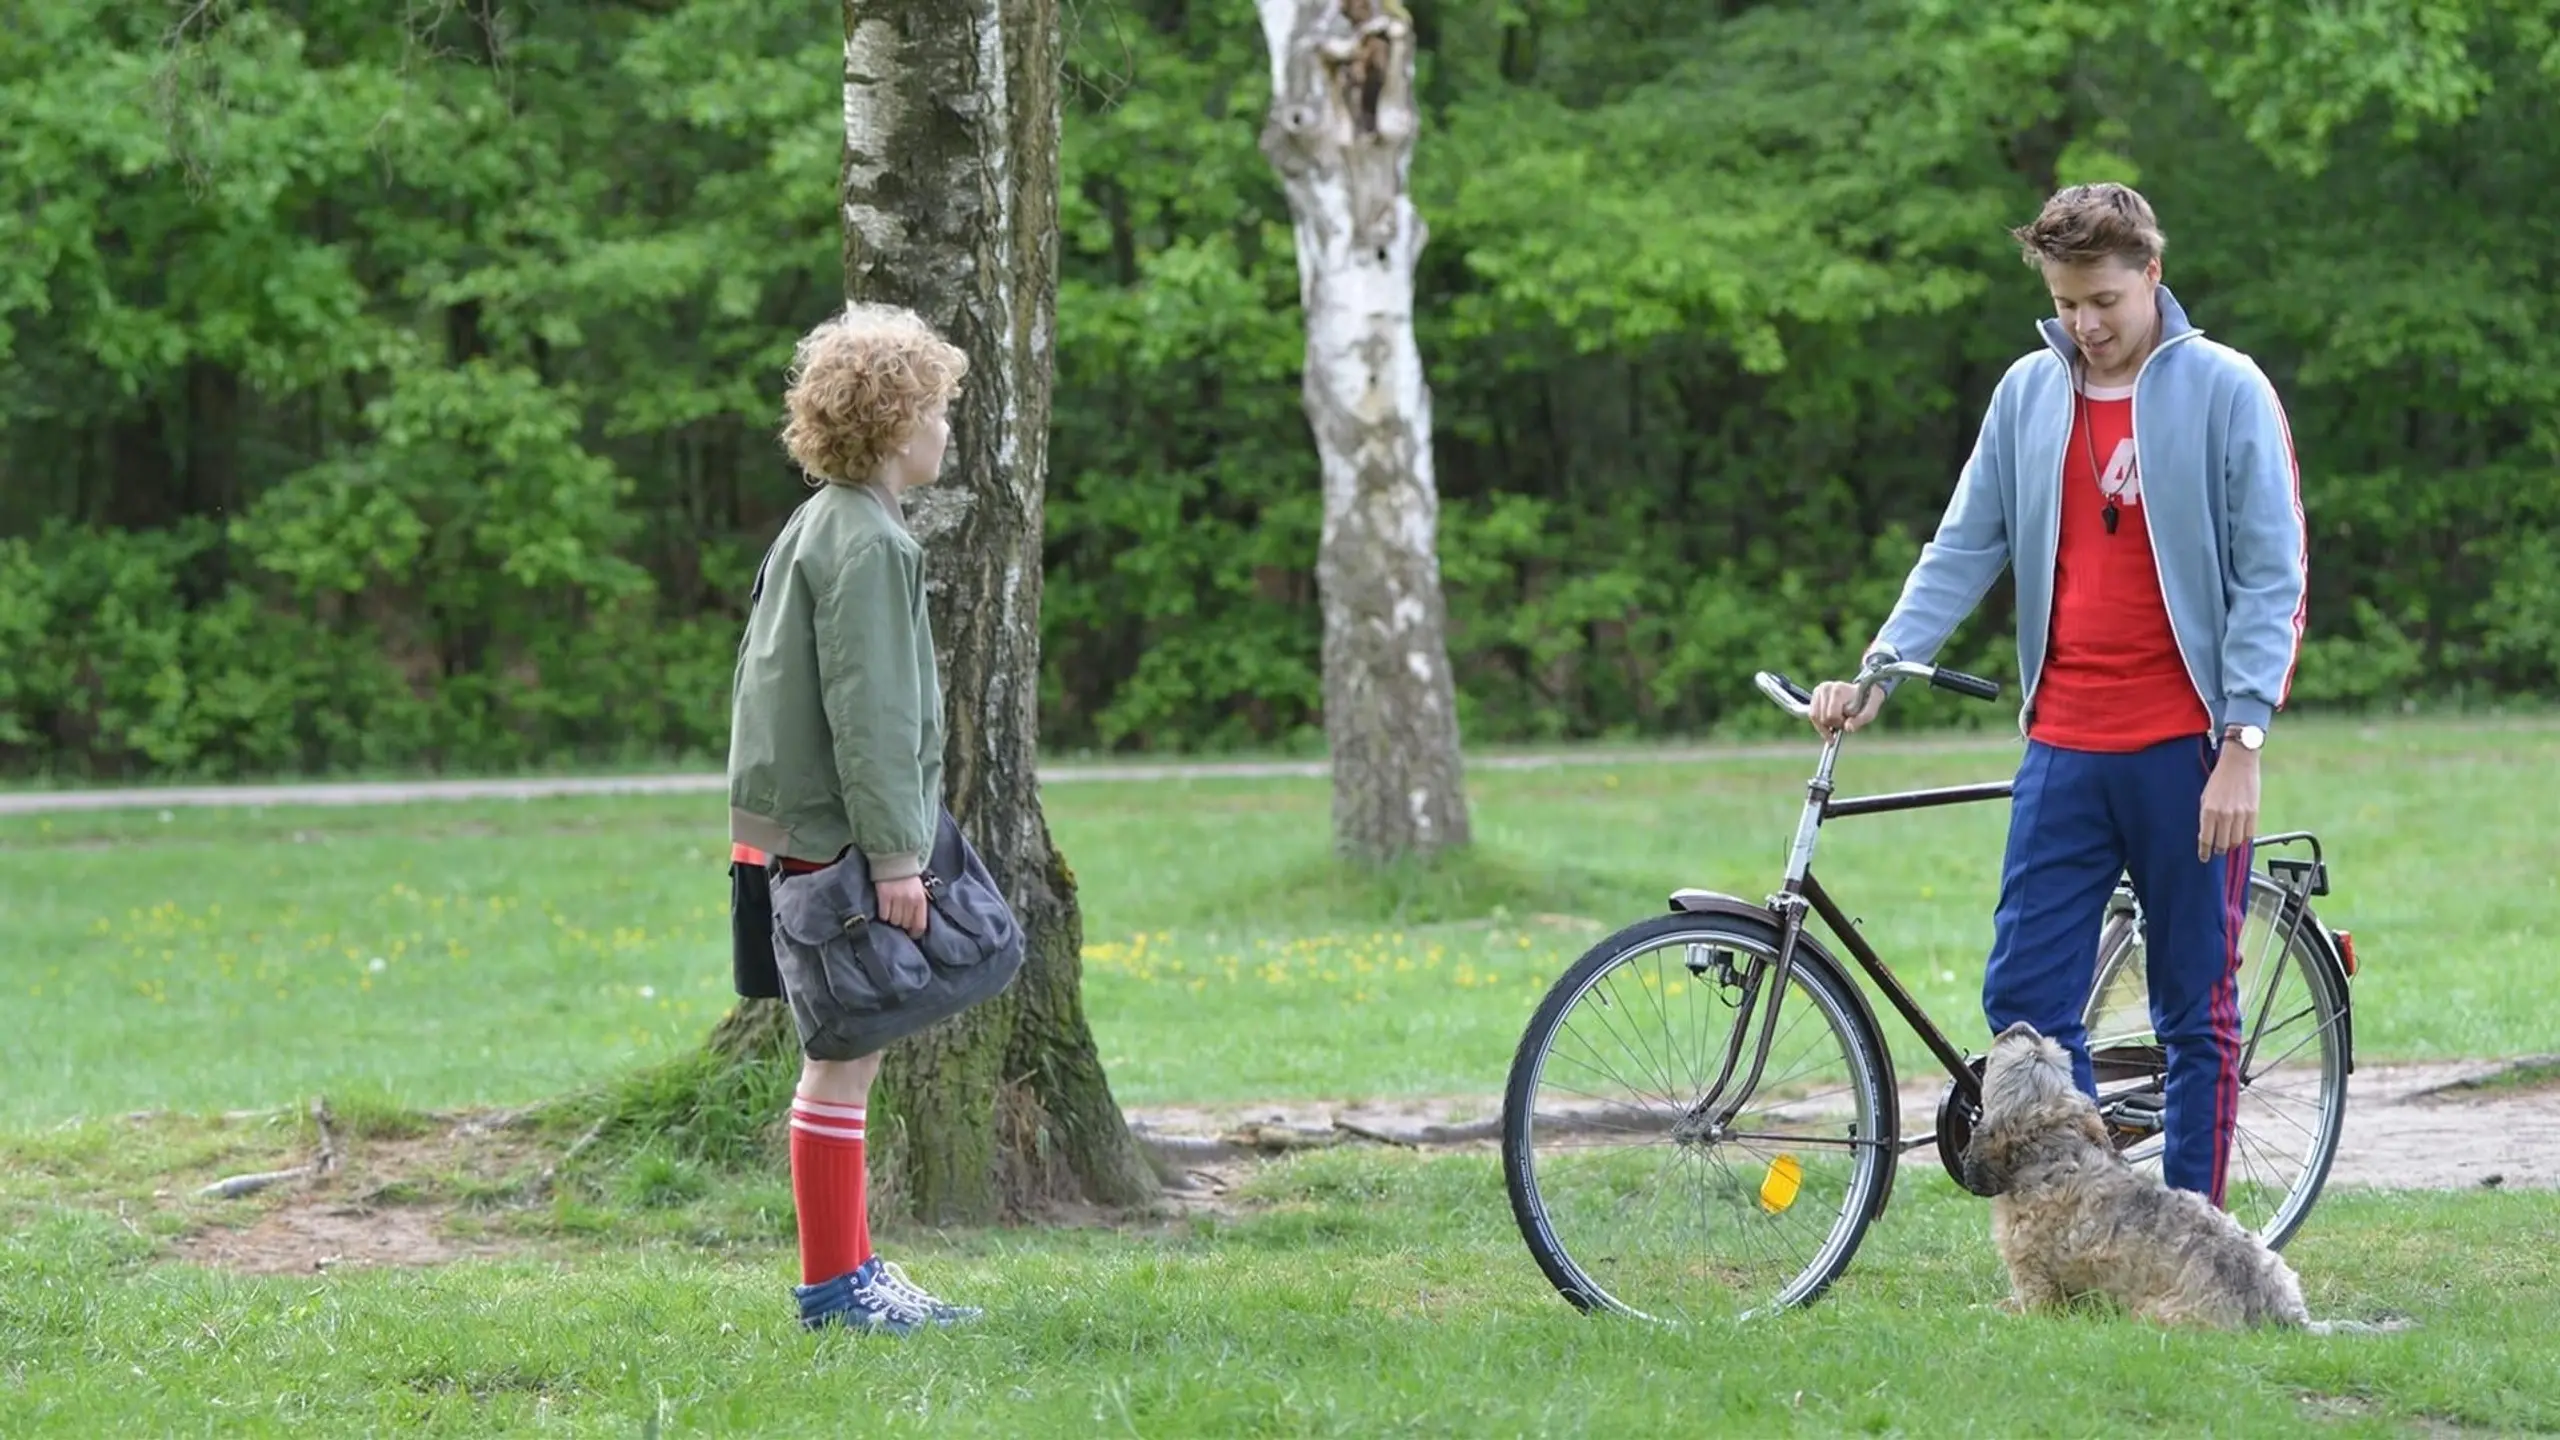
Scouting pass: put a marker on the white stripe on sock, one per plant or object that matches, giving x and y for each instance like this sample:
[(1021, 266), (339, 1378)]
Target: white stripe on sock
[(826, 1107), (830, 1131)]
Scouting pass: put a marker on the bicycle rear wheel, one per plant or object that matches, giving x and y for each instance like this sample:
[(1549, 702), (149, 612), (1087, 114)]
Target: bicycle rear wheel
[(2293, 1081), (1623, 1207)]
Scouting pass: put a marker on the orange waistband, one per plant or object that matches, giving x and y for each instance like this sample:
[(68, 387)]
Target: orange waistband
[(750, 855)]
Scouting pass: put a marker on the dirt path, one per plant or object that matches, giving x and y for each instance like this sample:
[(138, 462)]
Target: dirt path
[(1060, 772), (2444, 1125), (395, 1202)]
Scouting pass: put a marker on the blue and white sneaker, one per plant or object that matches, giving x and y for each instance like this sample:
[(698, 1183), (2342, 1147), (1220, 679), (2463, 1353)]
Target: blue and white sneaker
[(937, 1311), (876, 1298)]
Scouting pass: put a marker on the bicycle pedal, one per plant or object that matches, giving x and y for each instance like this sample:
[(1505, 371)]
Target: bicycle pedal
[(2138, 1114)]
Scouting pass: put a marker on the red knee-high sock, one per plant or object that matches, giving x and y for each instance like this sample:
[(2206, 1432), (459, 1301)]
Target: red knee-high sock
[(826, 1188)]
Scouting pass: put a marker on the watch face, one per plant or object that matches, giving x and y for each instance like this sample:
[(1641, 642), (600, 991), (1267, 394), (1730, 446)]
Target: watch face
[(2250, 737)]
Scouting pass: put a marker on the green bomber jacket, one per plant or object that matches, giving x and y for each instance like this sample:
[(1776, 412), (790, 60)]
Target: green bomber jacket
[(836, 724)]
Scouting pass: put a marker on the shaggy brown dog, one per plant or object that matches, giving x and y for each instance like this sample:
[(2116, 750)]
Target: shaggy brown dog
[(2071, 1218)]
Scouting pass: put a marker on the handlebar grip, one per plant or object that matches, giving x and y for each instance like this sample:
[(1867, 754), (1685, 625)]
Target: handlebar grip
[(1963, 684), (1795, 692)]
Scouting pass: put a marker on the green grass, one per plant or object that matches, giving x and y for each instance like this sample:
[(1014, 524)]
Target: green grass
[(497, 952), (222, 959), (1274, 1321)]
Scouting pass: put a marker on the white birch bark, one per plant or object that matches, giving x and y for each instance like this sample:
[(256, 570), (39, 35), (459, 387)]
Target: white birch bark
[(950, 193), (1341, 133)]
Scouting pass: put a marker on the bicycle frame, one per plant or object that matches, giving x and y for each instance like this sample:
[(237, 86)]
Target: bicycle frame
[(1800, 892)]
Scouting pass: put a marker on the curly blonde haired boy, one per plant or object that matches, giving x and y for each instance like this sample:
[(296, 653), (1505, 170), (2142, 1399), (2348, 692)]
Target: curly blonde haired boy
[(836, 736), (862, 387)]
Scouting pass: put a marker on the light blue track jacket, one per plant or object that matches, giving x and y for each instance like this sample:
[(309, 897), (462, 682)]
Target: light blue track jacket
[(2221, 496)]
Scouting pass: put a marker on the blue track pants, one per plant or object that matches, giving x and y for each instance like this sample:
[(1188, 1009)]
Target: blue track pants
[(2077, 820)]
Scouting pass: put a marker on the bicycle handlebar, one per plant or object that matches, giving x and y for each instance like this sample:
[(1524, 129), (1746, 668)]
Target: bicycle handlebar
[(1958, 682), (1787, 695)]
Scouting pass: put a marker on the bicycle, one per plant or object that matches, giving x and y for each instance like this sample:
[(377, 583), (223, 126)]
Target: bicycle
[(1811, 1145)]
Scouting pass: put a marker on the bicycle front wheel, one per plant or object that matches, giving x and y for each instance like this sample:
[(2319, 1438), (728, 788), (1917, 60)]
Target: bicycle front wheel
[(2293, 1058), (1626, 1202)]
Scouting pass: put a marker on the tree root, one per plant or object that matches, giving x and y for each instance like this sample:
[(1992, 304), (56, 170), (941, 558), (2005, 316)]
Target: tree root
[(1173, 1153)]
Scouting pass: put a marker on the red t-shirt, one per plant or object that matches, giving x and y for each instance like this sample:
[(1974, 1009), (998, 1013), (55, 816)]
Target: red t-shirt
[(2113, 679)]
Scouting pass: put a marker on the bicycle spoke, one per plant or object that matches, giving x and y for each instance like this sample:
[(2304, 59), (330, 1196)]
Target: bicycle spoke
[(2317, 1032), (1758, 1235), (1654, 1066), (1671, 1043), (2244, 1139), (1658, 1132), (2266, 1003), (1641, 1052), (2276, 1107), (1604, 1019), (1773, 1049), (1598, 1066), (2246, 1149), (1665, 1108), (2305, 1131)]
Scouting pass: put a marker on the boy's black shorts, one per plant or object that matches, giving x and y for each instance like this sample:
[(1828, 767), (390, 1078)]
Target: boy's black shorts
[(752, 970)]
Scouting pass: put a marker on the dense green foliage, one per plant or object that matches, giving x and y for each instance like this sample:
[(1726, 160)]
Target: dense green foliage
[(383, 395)]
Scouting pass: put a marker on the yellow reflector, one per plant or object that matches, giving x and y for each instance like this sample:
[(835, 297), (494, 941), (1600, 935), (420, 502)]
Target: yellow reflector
[(1778, 1188)]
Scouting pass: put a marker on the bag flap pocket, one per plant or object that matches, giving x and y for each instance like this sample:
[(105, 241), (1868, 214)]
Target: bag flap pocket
[(957, 905), (816, 908), (950, 945), (962, 891)]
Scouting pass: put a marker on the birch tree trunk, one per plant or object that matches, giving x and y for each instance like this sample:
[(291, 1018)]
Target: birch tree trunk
[(950, 198), (1340, 133)]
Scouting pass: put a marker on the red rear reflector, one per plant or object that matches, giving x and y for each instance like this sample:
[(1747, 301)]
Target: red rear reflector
[(2346, 949)]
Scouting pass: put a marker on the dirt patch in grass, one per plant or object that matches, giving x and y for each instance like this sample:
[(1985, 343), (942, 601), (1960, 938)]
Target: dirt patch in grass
[(2452, 1125), (416, 1196), (302, 1238), (2532, 1075), (2439, 1125), (425, 1193)]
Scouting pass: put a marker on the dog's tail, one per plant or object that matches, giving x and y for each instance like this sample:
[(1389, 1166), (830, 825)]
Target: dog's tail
[(2384, 1326)]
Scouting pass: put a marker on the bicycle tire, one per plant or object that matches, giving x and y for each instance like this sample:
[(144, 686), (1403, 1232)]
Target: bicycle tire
[(2121, 945), (1815, 975)]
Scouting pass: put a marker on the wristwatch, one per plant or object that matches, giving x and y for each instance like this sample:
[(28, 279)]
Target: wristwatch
[(2251, 737)]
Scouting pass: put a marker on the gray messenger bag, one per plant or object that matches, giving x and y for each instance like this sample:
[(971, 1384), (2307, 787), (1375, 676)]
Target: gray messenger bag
[(856, 982)]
